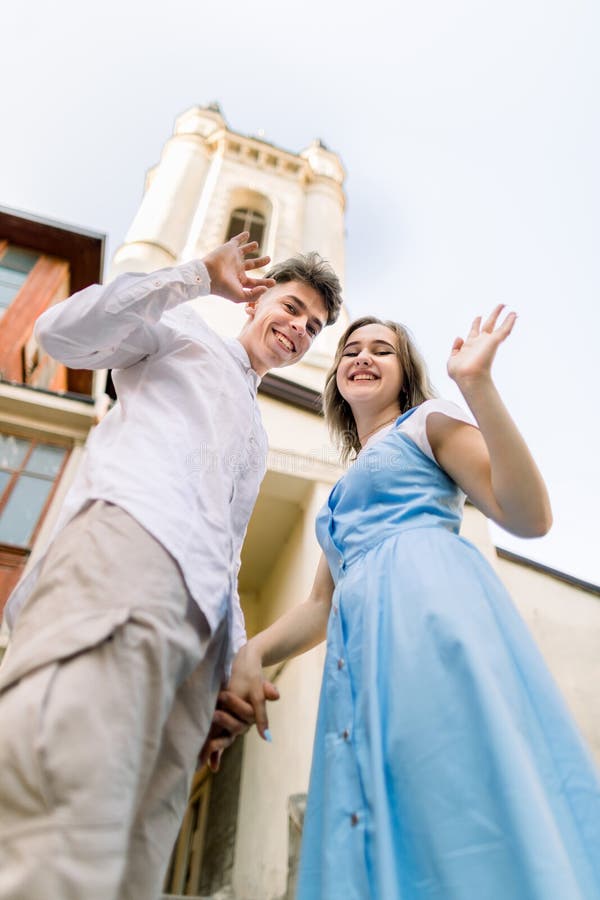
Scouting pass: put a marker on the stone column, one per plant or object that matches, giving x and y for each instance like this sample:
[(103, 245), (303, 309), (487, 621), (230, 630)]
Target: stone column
[(323, 228), (160, 229), (324, 206)]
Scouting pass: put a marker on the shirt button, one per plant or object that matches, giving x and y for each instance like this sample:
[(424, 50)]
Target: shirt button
[(345, 734), (157, 283), (335, 610), (198, 278), (340, 663), (354, 819)]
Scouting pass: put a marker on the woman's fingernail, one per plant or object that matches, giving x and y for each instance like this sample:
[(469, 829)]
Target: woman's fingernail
[(268, 736)]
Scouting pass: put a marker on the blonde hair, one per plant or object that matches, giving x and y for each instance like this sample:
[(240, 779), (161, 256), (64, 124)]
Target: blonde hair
[(416, 387)]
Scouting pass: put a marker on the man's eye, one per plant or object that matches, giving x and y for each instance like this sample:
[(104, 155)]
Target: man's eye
[(311, 330), (291, 307)]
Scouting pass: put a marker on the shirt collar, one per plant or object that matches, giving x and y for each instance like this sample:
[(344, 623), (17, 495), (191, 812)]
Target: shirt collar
[(238, 351)]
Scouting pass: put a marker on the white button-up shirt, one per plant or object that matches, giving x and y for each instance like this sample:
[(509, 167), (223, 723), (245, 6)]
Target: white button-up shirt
[(183, 450)]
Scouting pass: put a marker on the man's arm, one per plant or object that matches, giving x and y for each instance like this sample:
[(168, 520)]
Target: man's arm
[(243, 702), (113, 326)]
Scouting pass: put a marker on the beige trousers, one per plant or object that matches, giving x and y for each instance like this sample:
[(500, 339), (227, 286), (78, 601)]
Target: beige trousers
[(106, 694)]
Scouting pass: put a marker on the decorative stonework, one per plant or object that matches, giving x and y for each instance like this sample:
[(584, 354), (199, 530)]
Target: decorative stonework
[(206, 171)]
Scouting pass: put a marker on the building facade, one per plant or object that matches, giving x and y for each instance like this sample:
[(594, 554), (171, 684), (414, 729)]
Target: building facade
[(241, 832), (46, 410)]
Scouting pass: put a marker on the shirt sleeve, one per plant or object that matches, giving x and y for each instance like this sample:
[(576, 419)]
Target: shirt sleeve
[(238, 623), (114, 326), (238, 626), (416, 425)]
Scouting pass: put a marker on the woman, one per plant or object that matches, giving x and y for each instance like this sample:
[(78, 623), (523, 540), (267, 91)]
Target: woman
[(445, 763)]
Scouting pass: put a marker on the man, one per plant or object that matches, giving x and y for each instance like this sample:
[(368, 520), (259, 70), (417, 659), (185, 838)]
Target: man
[(125, 629)]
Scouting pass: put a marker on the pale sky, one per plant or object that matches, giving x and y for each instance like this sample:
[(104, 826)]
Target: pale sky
[(470, 132)]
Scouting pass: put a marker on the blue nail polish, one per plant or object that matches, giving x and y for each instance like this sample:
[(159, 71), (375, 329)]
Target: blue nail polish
[(268, 736)]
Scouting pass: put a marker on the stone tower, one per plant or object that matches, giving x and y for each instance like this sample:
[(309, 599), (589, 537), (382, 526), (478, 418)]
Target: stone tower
[(212, 182)]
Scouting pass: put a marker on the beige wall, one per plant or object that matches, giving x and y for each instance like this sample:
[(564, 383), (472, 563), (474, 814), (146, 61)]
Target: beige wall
[(272, 772), (565, 622)]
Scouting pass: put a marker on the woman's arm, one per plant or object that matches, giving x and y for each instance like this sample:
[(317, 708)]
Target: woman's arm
[(296, 631), (493, 465)]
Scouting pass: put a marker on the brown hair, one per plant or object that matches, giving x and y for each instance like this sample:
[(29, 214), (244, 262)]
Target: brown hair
[(312, 269), (416, 387)]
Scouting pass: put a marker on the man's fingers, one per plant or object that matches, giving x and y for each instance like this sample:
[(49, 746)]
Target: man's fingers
[(258, 282), (242, 238), (220, 742), (230, 723), (253, 293), (257, 263), (214, 760), (234, 704), (215, 748)]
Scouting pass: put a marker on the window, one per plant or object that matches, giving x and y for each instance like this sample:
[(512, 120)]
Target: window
[(15, 265), (184, 872), (245, 219), (29, 470)]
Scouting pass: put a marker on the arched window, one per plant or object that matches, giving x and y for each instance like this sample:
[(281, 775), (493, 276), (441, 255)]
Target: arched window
[(246, 219)]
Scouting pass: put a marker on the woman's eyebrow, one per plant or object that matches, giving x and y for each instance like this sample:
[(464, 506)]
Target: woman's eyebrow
[(376, 341)]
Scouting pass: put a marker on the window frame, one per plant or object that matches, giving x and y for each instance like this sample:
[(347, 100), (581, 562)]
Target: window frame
[(249, 215), (185, 866), (34, 441), (256, 201), (5, 247)]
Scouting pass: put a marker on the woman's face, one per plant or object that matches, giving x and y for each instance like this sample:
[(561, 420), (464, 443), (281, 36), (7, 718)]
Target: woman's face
[(369, 373)]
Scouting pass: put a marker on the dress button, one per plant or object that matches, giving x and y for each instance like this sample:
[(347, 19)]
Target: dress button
[(340, 663), (354, 819), (345, 734)]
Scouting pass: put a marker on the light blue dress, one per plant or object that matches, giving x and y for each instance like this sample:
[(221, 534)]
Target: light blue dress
[(446, 764)]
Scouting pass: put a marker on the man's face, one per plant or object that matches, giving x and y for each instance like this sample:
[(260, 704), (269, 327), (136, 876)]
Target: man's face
[(283, 324)]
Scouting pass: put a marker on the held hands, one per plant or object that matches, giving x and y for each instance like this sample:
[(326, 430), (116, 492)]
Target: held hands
[(227, 267), (471, 359), (239, 706)]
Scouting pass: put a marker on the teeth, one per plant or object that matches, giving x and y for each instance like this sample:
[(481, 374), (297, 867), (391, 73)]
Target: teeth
[(364, 378), (284, 341)]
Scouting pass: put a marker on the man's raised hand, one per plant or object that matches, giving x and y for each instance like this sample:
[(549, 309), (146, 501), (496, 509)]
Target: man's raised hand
[(228, 266)]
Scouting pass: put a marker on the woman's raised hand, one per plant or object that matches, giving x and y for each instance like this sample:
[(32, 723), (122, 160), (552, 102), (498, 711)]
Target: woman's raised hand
[(472, 357)]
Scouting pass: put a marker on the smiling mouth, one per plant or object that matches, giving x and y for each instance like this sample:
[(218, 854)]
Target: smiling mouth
[(284, 341), (363, 376)]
